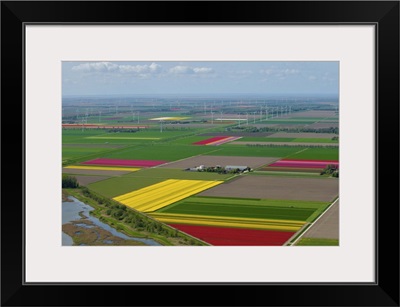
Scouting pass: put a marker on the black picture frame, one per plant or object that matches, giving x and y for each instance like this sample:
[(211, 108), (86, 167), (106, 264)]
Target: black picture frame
[(383, 14)]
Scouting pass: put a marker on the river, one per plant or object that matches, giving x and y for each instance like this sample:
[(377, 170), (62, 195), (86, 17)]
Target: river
[(71, 211)]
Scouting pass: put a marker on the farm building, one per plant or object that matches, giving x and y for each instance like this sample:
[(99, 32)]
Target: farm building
[(234, 167)]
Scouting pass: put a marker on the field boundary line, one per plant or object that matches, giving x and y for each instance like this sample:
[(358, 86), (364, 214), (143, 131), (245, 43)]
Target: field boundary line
[(311, 224)]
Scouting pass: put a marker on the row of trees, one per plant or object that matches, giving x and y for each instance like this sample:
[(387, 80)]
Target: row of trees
[(332, 170), (69, 182)]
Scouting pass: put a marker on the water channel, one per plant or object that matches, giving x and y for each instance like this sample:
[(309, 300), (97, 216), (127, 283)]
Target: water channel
[(74, 209)]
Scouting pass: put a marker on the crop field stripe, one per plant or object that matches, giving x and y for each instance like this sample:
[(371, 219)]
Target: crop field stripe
[(228, 218), (244, 210), (251, 223), (227, 236), (106, 168), (162, 194)]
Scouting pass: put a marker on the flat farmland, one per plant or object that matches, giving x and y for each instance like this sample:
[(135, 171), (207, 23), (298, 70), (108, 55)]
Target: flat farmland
[(75, 152), (158, 151), (326, 153), (116, 186), (253, 162), (287, 140), (252, 151), (314, 143), (225, 236), (246, 208), (175, 173), (318, 189), (93, 172), (303, 135), (314, 113), (85, 180), (327, 227), (320, 125)]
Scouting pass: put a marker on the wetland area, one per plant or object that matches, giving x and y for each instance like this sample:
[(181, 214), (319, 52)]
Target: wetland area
[(80, 228)]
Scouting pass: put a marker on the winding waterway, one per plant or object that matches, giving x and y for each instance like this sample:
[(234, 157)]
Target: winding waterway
[(71, 211)]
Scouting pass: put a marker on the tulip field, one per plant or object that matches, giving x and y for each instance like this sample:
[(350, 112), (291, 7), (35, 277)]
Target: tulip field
[(152, 166), (162, 194)]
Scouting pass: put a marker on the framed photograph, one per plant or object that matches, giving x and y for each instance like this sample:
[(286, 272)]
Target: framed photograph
[(200, 151)]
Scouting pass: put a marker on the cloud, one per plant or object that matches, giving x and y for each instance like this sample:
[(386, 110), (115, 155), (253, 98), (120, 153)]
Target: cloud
[(96, 67), (279, 73), (203, 70), (187, 70), (138, 70)]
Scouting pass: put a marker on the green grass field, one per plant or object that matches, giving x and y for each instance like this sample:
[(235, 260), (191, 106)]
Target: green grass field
[(253, 151), (247, 208), (161, 152), (289, 121), (298, 140), (120, 185), (317, 242), (316, 154), (76, 152)]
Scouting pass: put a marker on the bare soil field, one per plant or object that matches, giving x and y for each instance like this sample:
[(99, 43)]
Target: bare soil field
[(325, 189), (93, 172), (284, 143), (85, 180), (313, 114), (327, 227), (310, 135), (253, 162)]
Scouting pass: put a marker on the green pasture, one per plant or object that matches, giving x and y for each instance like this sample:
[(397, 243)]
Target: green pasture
[(70, 136), (166, 152), (315, 140), (313, 119), (317, 242), (102, 136), (323, 153), (289, 122), (298, 140), (247, 208), (77, 152), (120, 185), (253, 151)]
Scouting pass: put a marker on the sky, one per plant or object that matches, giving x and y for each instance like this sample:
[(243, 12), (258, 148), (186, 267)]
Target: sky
[(200, 78)]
